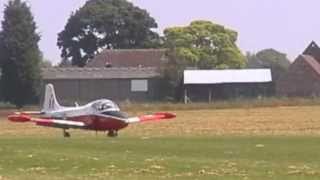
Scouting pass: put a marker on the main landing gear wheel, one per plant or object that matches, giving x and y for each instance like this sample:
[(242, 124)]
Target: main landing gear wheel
[(66, 134), (112, 133)]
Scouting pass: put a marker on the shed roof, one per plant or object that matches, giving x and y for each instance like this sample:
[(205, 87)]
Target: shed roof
[(129, 58), (227, 76), (99, 73)]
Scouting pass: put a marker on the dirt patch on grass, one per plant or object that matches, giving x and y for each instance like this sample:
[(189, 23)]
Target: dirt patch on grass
[(256, 121)]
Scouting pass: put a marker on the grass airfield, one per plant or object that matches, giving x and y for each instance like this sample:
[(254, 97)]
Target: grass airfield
[(251, 143)]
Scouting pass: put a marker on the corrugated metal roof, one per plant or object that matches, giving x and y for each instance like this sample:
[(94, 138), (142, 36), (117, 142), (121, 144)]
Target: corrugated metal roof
[(99, 73), (227, 76)]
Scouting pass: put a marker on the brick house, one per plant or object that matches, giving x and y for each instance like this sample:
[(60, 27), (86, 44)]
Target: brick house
[(303, 76)]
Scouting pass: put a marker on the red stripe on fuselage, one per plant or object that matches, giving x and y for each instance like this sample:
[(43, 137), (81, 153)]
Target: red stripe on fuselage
[(100, 123)]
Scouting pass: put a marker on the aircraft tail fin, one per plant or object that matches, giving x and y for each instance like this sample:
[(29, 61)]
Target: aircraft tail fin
[(50, 101)]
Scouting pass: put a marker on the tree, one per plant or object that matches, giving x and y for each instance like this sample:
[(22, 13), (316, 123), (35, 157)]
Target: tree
[(65, 63), (205, 45), (19, 54), (270, 58), (111, 24), (46, 63), (201, 45)]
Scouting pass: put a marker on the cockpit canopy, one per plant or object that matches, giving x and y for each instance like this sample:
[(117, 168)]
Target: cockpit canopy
[(105, 105)]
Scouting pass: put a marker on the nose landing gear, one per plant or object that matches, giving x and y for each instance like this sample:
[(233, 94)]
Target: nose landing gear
[(66, 134)]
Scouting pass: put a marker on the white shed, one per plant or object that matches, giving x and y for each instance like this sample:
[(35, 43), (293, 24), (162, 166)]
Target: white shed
[(230, 76)]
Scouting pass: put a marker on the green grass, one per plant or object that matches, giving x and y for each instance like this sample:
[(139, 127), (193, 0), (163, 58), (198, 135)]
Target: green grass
[(129, 157), (228, 144)]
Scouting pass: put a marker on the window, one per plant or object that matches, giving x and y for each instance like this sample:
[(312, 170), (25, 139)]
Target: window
[(139, 85), (104, 105)]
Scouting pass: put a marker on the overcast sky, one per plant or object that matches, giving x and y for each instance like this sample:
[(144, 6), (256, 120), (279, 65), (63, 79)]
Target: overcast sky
[(285, 25)]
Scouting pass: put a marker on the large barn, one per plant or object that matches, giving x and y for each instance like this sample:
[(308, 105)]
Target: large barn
[(120, 84), (210, 85), (120, 75), (303, 77)]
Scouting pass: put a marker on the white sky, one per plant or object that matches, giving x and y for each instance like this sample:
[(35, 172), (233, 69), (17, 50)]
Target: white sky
[(285, 25)]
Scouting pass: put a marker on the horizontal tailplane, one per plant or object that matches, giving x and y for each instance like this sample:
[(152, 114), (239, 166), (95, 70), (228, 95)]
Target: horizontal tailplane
[(28, 113), (19, 118)]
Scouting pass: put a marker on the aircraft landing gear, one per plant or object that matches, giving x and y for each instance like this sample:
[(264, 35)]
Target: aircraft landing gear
[(66, 134), (112, 133)]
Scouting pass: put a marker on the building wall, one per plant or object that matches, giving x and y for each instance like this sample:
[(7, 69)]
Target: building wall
[(228, 91), (300, 81), (83, 91)]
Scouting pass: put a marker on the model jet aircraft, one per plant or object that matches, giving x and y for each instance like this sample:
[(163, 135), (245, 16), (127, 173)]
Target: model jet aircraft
[(99, 115)]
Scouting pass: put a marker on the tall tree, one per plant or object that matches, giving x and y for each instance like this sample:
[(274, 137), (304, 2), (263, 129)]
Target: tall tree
[(270, 58), (201, 45), (19, 54), (108, 24)]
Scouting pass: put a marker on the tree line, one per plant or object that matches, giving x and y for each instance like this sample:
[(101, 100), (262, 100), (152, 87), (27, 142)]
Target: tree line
[(116, 24)]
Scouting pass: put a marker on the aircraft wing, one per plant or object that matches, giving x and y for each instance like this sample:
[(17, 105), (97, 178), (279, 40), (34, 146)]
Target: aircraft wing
[(28, 113), (151, 117), (47, 122)]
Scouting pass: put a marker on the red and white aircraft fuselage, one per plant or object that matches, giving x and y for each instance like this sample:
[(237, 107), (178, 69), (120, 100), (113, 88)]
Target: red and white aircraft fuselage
[(99, 115)]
